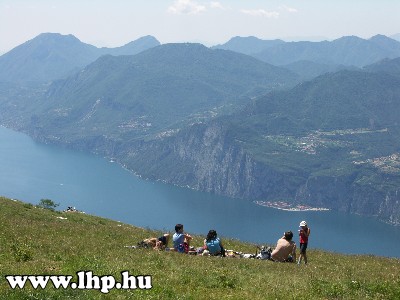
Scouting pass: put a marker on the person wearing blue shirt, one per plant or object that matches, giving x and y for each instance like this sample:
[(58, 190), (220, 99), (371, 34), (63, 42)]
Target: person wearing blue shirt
[(213, 244), (180, 239)]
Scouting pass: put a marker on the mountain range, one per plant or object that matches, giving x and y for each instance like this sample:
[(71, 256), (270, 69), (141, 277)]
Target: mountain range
[(155, 91), (330, 142), (51, 56), (348, 51), (221, 121)]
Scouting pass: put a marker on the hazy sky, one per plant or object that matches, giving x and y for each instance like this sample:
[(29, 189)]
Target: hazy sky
[(114, 23)]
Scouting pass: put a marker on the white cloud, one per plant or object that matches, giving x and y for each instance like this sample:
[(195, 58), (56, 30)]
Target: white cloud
[(261, 13), (214, 4), (288, 9), (180, 7)]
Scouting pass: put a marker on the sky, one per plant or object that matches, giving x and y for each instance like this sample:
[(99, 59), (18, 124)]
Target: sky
[(113, 23)]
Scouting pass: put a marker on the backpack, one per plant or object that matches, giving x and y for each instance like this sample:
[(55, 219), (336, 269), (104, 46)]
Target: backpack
[(183, 248)]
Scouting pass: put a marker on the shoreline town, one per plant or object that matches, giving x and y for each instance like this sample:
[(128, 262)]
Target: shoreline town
[(282, 205)]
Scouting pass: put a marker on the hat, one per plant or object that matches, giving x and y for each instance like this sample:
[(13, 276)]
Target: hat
[(303, 223)]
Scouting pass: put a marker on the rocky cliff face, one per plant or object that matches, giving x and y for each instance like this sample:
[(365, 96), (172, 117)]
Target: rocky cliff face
[(389, 209), (205, 158)]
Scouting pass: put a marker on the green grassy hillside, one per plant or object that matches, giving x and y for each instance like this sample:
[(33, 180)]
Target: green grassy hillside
[(40, 241)]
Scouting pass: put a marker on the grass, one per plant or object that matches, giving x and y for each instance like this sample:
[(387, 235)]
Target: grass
[(37, 241)]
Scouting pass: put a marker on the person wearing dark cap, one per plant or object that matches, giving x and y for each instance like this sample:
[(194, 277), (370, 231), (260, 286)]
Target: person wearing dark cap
[(285, 250)]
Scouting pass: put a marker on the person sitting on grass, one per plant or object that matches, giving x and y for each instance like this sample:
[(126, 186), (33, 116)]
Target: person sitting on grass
[(181, 240), (213, 244), (285, 250)]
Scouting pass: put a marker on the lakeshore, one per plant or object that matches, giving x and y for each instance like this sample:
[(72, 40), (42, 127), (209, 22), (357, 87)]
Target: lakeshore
[(282, 205), (34, 171)]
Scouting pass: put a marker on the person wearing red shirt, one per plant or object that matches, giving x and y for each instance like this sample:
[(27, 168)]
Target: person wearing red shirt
[(304, 233)]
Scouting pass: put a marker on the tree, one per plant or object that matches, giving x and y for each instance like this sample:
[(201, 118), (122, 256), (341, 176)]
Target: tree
[(47, 204)]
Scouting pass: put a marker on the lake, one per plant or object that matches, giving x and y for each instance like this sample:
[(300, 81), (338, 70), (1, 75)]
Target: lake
[(31, 171)]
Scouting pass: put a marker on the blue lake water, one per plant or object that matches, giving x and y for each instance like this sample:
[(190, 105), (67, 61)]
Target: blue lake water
[(31, 171)]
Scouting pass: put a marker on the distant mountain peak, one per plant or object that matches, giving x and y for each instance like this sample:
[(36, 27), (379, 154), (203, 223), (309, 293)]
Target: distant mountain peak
[(237, 38), (147, 37), (134, 47), (380, 37), (144, 39), (248, 45), (349, 38), (56, 37)]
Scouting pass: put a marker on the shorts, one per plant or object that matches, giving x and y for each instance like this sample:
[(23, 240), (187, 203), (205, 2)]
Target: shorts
[(303, 248), (289, 259), (219, 253)]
